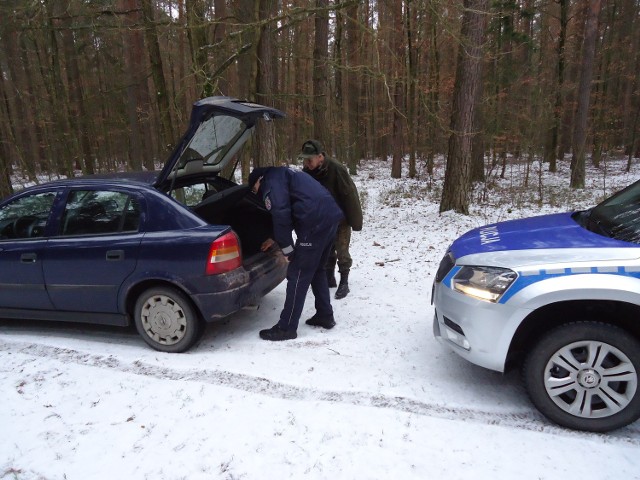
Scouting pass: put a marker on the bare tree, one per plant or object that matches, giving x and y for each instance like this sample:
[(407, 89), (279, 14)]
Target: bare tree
[(220, 51), (167, 136), (411, 22), (398, 74), (432, 100), (457, 181), (22, 134), (584, 93), (321, 71), (5, 148), (137, 90), (352, 32), (197, 32), (264, 152), (80, 122), (551, 150)]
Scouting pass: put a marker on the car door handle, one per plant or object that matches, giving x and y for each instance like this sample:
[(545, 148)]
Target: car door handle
[(28, 258), (115, 255)]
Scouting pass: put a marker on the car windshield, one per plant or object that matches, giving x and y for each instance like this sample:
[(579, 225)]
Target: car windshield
[(618, 216)]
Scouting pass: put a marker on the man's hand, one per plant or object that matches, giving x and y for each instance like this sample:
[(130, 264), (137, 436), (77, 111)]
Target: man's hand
[(267, 244)]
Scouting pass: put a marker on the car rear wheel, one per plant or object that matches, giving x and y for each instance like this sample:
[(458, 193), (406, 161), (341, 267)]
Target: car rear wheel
[(166, 320), (584, 376)]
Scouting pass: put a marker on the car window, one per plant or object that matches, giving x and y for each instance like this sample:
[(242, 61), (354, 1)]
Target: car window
[(191, 195), (97, 212), (26, 217)]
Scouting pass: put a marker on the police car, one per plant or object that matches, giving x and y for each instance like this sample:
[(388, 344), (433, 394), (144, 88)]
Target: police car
[(559, 296)]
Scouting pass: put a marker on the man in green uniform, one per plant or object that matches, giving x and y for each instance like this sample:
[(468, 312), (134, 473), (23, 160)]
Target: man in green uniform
[(335, 178)]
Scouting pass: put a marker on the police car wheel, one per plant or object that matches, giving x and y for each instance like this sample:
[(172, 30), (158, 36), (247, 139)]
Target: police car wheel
[(166, 320), (584, 376)]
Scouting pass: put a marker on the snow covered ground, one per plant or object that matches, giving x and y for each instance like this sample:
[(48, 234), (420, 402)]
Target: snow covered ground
[(377, 397)]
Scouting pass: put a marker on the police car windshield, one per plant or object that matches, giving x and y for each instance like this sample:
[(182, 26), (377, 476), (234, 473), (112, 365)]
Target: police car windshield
[(618, 216)]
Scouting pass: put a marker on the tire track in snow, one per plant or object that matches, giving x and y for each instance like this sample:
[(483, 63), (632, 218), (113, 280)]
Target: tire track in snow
[(530, 421)]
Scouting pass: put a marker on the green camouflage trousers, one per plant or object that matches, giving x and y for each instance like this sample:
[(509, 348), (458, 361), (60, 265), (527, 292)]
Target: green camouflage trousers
[(340, 253)]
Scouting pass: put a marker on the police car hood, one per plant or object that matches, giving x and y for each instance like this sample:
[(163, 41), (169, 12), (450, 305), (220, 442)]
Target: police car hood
[(546, 239)]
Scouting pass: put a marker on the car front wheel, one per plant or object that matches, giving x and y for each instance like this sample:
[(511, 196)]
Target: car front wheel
[(584, 376), (166, 320)]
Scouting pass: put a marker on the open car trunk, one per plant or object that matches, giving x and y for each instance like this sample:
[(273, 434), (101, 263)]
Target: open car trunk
[(238, 207), (218, 129)]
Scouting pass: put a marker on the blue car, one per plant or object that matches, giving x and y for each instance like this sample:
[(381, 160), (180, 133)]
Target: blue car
[(165, 250)]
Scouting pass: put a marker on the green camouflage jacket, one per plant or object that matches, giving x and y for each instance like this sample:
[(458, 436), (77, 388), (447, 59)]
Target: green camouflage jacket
[(335, 177)]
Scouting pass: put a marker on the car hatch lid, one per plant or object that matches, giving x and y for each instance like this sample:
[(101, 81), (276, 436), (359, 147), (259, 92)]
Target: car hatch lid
[(218, 128)]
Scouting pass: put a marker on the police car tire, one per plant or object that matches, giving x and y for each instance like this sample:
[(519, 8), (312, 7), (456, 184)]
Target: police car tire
[(166, 320), (595, 334)]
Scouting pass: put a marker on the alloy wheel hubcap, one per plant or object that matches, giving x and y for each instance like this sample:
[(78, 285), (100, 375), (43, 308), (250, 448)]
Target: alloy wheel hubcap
[(590, 379)]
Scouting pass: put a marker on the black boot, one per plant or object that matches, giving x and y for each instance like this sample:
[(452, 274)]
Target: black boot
[(324, 321), (331, 278), (343, 288), (276, 334)]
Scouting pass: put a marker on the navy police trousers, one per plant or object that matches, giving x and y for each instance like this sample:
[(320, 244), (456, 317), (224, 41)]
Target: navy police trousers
[(307, 268)]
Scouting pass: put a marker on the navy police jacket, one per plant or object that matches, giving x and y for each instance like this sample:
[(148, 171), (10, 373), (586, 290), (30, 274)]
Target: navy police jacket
[(297, 202)]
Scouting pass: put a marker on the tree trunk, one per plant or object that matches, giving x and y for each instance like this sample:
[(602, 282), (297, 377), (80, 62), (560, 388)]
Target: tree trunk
[(457, 181), (62, 137), (632, 71), (584, 93), (6, 188), (477, 146), (397, 47), (433, 97), (220, 36), (299, 85), (79, 118), (340, 134), (601, 90), (353, 87), (412, 80), (138, 105), (22, 132), (551, 151), (264, 151), (167, 135), (320, 72), (197, 32), (245, 11)]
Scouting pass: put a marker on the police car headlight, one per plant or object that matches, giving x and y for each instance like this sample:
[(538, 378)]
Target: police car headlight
[(485, 283)]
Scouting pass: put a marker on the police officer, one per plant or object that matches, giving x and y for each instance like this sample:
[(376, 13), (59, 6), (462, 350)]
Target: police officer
[(335, 178), (297, 202)]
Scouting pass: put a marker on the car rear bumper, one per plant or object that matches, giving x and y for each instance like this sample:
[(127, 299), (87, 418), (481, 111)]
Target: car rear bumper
[(217, 296)]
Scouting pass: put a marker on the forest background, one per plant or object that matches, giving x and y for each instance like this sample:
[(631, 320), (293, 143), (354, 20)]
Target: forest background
[(105, 85)]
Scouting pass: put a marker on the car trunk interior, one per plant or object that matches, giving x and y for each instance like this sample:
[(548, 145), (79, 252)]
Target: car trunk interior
[(238, 207)]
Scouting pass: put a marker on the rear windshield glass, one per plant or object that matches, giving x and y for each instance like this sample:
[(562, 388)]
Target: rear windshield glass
[(214, 135)]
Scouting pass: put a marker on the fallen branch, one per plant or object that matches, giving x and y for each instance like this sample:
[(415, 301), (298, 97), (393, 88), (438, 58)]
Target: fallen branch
[(381, 264)]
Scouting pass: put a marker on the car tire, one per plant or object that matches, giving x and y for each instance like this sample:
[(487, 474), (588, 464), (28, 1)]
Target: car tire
[(584, 376), (166, 320)]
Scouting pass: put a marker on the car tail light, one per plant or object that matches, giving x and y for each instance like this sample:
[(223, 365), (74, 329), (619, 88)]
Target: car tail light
[(225, 255)]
